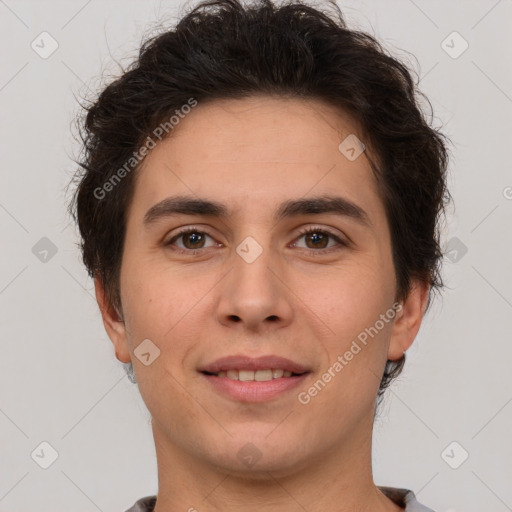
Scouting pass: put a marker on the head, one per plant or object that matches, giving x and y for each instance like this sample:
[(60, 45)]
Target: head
[(250, 118)]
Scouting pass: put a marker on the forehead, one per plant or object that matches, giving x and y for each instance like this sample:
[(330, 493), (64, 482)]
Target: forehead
[(255, 152)]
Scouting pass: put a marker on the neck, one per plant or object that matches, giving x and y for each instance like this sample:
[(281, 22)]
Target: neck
[(338, 481)]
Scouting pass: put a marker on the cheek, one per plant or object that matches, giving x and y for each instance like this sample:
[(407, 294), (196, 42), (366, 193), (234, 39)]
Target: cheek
[(356, 350), (352, 309), (356, 296), (156, 310), (147, 303), (164, 307)]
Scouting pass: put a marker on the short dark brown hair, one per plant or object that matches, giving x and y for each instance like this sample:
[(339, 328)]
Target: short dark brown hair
[(223, 49)]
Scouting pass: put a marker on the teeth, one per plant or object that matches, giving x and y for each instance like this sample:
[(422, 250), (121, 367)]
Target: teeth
[(263, 375), (245, 375), (258, 376)]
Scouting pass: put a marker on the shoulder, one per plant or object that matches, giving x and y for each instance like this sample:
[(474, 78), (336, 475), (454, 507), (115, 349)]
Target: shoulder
[(405, 498), (146, 504)]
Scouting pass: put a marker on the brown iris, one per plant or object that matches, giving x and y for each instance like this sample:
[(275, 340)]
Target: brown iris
[(196, 237), (320, 239)]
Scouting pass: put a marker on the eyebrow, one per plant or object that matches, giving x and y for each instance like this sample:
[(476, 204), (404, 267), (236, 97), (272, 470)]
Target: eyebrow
[(188, 205)]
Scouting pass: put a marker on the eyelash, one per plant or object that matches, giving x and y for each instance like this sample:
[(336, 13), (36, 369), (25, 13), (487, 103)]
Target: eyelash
[(303, 232)]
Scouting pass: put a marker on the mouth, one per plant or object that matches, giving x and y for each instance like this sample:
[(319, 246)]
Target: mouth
[(252, 380), (265, 375), (254, 368), (254, 391)]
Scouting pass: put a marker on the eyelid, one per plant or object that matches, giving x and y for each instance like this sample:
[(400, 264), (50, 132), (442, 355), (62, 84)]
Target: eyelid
[(186, 230), (340, 239)]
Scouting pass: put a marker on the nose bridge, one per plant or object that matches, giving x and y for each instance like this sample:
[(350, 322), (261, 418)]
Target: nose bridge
[(251, 273), (252, 293)]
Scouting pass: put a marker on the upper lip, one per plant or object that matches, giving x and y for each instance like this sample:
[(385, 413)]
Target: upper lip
[(249, 363)]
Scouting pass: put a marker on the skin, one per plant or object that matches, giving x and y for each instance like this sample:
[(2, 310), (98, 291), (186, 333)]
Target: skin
[(253, 154)]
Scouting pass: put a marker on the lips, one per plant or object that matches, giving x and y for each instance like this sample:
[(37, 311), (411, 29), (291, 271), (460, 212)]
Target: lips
[(241, 362)]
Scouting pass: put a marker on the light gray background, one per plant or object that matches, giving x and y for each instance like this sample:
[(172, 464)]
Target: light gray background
[(59, 377)]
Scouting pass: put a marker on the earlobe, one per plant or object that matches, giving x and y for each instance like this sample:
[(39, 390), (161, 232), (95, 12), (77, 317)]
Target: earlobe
[(408, 320), (113, 323)]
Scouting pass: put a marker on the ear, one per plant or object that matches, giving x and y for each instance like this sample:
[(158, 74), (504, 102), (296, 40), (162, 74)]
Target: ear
[(408, 320), (113, 322)]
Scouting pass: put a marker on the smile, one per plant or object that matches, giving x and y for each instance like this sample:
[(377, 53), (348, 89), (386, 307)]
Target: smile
[(258, 375), (254, 386)]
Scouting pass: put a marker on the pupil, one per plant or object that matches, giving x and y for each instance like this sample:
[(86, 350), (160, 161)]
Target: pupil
[(193, 236), (318, 237)]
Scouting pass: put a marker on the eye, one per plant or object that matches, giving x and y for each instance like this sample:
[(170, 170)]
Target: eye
[(192, 239), (318, 239)]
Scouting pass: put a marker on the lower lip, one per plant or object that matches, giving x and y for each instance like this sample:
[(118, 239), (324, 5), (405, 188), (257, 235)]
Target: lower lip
[(254, 391)]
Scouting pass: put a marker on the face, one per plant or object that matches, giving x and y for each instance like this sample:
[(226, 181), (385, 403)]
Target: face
[(275, 275)]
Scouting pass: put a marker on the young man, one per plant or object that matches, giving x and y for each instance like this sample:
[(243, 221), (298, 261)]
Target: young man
[(258, 202)]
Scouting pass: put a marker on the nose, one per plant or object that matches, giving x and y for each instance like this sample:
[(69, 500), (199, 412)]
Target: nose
[(254, 295)]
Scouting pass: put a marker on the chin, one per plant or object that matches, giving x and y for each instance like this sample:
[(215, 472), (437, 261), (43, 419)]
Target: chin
[(254, 457)]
